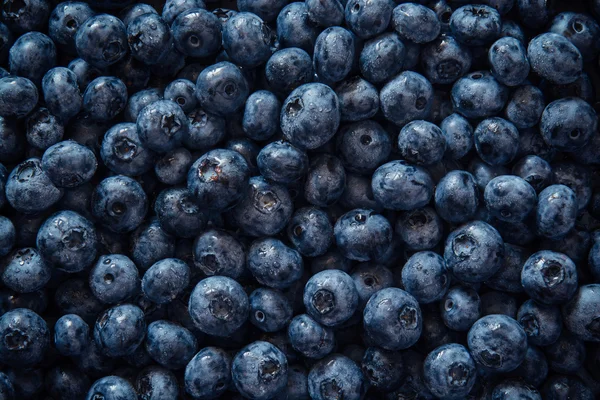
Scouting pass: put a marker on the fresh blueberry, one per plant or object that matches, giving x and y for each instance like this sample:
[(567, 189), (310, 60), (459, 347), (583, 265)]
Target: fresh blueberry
[(460, 308), (289, 68), (555, 58), (105, 98), (309, 338), (581, 314), (406, 98), (415, 23), (358, 99), (270, 310), (222, 88), (119, 330), (18, 97), (43, 129), (71, 335), (525, 106), (310, 231), (66, 382), (382, 57), (265, 9), (261, 115), (259, 371), (133, 11), (424, 276), (102, 40), (358, 194), (162, 125), (420, 229), (421, 142), (556, 211), (456, 197), (369, 278), (325, 180), (149, 38), (178, 214), (458, 134), (575, 177), (363, 235), (217, 252), (150, 243), (508, 278), (295, 28), (114, 279), (182, 92), (111, 388), (170, 344), (69, 164), (197, 33), (71, 297), (172, 168), (26, 271), (398, 185), (123, 152), (445, 60), (534, 368), (496, 141), (281, 162), (476, 25), (508, 61), (65, 20), (208, 374), (29, 15), (25, 338), (330, 297), (336, 376), (581, 30), (248, 148), (383, 369), (247, 39), (449, 371), (85, 72), (206, 130), (513, 389), (31, 56), (273, 264), (559, 386), (568, 124), (510, 198), (155, 383), (325, 13), (165, 280), (173, 8), (478, 95)]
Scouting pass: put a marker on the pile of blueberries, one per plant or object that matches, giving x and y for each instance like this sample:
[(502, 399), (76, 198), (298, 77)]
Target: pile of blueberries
[(323, 199)]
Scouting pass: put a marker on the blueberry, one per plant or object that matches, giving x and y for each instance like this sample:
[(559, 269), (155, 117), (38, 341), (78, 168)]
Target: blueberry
[(69, 164), (382, 57), (217, 252), (172, 168), (208, 374), (358, 99), (362, 234), (456, 197), (170, 344), (525, 106), (310, 231), (424, 276), (508, 278), (122, 150), (474, 252), (265, 9), (259, 371), (369, 278), (206, 130), (66, 382), (162, 125), (415, 23), (156, 383), (29, 15), (445, 60), (406, 98), (261, 115), (496, 141), (577, 178), (197, 33), (18, 97), (43, 129), (458, 134), (295, 29), (336, 376), (105, 98), (568, 124), (25, 338), (270, 310), (218, 306), (178, 214), (26, 271), (497, 343), (31, 56), (114, 279), (325, 180), (421, 142), (273, 264), (71, 335), (150, 243), (449, 371), (510, 198), (248, 149), (559, 386), (281, 162), (288, 68), (247, 39), (358, 194), (556, 211), (460, 308), (173, 8), (133, 11), (330, 297), (120, 330), (265, 209), (309, 338), (581, 30), (581, 314), (383, 369), (398, 185), (420, 229), (554, 58), (508, 61), (534, 368), (119, 203), (325, 13), (111, 388), (165, 280), (149, 38), (101, 40), (476, 25), (222, 88), (478, 95), (582, 87), (512, 29), (511, 388)]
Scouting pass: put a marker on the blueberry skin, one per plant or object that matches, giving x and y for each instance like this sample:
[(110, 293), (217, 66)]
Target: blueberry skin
[(568, 124), (112, 388), (449, 372), (162, 125), (330, 297), (334, 54), (270, 310), (475, 25), (105, 98), (208, 374), (72, 297), (18, 97), (310, 231), (273, 264), (222, 88), (508, 61), (122, 151), (248, 149), (359, 99), (281, 162), (458, 134), (217, 252), (456, 197), (496, 141), (474, 252), (173, 8), (508, 278), (172, 168), (421, 142), (119, 203), (7, 236), (510, 198), (43, 129), (478, 95), (135, 10), (512, 29), (534, 368), (69, 164), (369, 18), (218, 306), (310, 116), (197, 33), (165, 280), (358, 194), (66, 382), (407, 97), (542, 323), (325, 13), (382, 57), (114, 279), (369, 278), (182, 92), (424, 276), (170, 345), (392, 319), (555, 58), (415, 23), (566, 355), (30, 15), (460, 308), (261, 115), (325, 180), (497, 343), (149, 38), (525, 106), (206, 130), (157, 383), (247, 40), (581, 30), (26, 271), (102, 40), (420, 229), (397, 185), (150, 243), (179, 214), (336, 375), (259, 371), (25, 338), (119, 330), (295, 29), (582, 314), (31, 56), (288, 68), (71, 335), (309, 338), (383, 369), (445, 59), (265, 209), (513, 389), (556, 211), (558, 386), (362, 235)]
